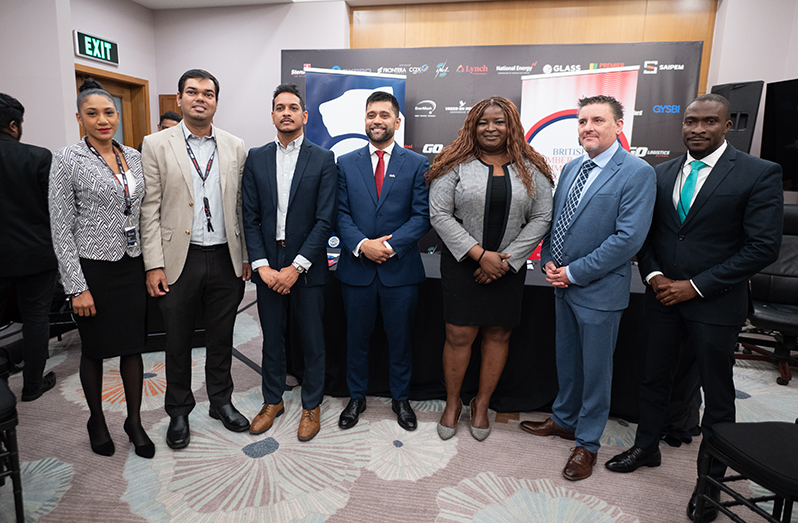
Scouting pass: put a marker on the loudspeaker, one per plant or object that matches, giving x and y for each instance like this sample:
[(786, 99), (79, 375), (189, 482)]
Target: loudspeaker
[(744, 100), (779, 131)]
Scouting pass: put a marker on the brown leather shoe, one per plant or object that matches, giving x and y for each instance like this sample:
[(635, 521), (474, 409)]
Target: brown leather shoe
[(265, 418), (579, 465), (546, 428), (310, 424)]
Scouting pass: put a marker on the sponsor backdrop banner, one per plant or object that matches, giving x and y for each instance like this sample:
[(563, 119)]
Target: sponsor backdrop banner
[(336, 105), (443, 83), (551, 127)]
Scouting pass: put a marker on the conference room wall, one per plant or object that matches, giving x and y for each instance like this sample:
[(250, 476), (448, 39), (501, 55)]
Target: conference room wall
[(536, 22), (241, 47)]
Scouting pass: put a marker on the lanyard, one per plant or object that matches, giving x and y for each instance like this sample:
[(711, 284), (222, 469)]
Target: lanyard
[(203, 177), (123, 183)]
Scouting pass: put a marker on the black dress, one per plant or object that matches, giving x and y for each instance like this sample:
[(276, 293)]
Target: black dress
[(466, 302)]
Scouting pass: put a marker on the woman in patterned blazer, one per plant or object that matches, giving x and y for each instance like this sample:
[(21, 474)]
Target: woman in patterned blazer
[(490, 202), (96, 187)]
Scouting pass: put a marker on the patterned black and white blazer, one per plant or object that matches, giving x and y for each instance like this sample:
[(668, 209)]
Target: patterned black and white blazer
[(87, 211)]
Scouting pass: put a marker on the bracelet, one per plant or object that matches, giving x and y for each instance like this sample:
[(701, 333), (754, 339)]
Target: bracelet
[(481, 255)]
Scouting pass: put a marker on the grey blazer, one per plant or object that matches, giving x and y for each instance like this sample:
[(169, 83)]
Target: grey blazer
[(457, 211), (87, 207)]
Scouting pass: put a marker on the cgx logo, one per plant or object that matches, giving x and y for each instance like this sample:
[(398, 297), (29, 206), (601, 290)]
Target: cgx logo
[(432, 148)]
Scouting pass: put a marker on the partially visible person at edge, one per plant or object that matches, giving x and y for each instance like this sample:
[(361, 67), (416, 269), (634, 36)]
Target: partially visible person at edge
[(490, 202), (96, 187), (168, 120)]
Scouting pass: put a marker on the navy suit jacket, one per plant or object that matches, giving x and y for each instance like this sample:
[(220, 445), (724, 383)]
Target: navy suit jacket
[(608, 227), (731, 232), (402, 210), (311, 208)]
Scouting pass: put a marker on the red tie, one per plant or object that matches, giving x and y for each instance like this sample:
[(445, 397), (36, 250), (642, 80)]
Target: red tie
[(379, 174)]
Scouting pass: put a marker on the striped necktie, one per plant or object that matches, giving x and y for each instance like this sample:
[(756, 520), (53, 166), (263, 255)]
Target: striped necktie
[(558, 237)]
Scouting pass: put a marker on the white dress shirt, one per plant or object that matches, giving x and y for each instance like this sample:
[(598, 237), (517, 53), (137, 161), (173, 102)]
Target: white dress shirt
[(709, 160), (386, 158), (211, 188), (287, 156)]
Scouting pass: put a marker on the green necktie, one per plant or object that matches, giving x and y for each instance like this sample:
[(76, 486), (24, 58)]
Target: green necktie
[(688, 189)]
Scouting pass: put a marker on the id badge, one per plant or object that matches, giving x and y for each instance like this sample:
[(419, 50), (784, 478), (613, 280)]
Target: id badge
[(130, 234)]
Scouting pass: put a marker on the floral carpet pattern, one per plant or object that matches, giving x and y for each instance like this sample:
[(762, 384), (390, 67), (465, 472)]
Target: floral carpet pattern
[(373, 472)]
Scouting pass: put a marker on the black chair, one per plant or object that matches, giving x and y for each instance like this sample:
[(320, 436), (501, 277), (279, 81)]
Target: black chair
[(774, 305), (9, 454), (765, 453)]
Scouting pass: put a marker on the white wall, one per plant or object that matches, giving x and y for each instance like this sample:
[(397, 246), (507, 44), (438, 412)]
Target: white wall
[(754, 40), (37, 69), (132, 27), (241, 47)]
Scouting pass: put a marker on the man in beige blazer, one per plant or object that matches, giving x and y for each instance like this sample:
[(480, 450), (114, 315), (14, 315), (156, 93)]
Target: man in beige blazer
[(194, 250)]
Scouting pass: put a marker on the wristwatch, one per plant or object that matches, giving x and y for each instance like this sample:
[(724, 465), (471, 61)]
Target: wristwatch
[(299, 268)]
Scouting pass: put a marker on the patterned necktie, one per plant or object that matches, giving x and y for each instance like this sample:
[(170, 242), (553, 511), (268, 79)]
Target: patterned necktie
[(686, 196), (568, 211), (379, 173)]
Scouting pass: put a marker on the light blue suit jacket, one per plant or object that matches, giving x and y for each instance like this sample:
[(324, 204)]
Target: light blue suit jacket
[(608, 228)]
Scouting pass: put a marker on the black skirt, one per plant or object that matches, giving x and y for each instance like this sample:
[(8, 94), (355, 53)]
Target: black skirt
[(466, 302), (119, 291)]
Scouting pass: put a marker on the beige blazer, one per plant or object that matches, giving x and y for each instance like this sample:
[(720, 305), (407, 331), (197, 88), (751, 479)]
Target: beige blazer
[(167, 208)]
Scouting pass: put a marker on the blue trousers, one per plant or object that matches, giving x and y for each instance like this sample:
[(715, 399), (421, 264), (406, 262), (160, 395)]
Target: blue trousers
[(585, 341), (398, 305)]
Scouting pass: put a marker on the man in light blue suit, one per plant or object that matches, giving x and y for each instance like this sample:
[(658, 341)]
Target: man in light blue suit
[(383, 211), (602, 212)]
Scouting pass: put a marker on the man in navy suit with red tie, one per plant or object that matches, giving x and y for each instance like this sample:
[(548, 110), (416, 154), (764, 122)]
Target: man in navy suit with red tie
[(717, 221), (383, 211)]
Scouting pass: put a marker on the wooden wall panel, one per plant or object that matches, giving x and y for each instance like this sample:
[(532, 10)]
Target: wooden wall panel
[(515, 22)]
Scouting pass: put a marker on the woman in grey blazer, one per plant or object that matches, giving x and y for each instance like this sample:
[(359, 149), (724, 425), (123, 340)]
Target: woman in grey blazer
[(490, 202), (96, 187)]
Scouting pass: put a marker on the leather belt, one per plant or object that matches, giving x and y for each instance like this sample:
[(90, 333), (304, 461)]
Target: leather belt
[(206, 248), (281, 243)]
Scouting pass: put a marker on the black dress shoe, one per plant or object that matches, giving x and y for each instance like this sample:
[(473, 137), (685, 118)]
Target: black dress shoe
[(144, 446), (232, 420), (710, 511), (351, 414), (48, 382), (633, 459), (100, 439), (404, 414), (178, 435)]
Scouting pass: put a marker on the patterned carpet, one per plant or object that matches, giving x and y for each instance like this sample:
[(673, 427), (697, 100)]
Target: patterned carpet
[(375, 472)]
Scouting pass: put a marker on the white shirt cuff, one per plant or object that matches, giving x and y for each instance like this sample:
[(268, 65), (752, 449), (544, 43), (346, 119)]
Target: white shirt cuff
[(568, 273), (696, 288), (356, 252), (652, 274), (263, 262), (302, 262), (388, 246)]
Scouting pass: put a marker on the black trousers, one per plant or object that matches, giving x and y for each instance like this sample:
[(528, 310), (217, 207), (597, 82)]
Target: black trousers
[(208, 283), (713, 346), (35, 297)]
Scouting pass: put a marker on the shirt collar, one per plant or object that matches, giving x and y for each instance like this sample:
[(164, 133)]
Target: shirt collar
[(602, 159), (292, 145), (711, 159), (388, 150), (188, 134)]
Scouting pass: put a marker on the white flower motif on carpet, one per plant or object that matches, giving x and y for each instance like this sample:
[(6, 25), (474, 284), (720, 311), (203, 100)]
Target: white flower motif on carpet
[(619, 433), (759, 397), (246, 329), (767, 506), (489, 499), (44, 483), (154, 382), (230, 477), (397, 454), (421, 406)]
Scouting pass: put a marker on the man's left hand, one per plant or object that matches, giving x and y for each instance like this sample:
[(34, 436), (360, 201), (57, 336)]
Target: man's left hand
[(246, 272), (676, 291), (285, 279)]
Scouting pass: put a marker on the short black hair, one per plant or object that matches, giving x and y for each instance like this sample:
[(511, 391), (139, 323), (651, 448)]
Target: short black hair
[(10, 111), (288, 88), (714, 97), (170, 115), (615, 105), (200, 74), (89, 87), (382, 96)]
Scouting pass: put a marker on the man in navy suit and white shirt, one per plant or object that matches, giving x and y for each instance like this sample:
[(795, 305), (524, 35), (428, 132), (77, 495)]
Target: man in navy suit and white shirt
[(717, 222), (290, 192), (602, 212), (383, 211)]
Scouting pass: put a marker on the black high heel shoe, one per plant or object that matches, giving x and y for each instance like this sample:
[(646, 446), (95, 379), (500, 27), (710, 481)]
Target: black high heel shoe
[(145, 450), (104, 448)]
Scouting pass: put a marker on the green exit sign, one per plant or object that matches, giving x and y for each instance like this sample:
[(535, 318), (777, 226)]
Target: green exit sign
[(96, 48)]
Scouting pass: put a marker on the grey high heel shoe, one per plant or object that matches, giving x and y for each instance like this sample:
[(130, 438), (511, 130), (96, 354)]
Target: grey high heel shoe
[(479, 434), (447, 432)]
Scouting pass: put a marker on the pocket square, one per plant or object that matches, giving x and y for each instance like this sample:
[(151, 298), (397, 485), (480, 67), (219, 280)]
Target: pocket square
[(391, 176)]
